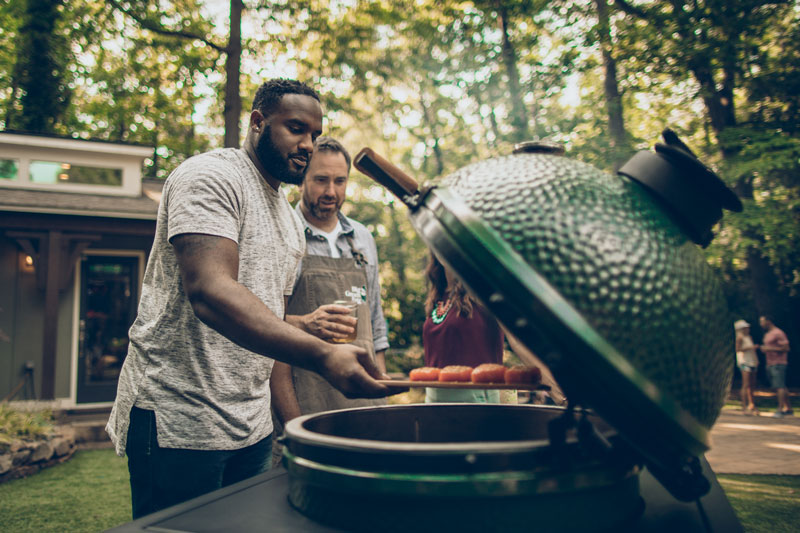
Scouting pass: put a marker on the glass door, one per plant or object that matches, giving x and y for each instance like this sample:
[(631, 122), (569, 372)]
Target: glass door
[(109, 295)]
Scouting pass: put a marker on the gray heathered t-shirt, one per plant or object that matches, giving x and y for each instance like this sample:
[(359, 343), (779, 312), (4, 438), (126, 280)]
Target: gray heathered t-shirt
[(207, 392)]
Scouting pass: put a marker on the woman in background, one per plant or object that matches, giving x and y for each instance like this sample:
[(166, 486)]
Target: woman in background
[(457, 331), (747, 361)]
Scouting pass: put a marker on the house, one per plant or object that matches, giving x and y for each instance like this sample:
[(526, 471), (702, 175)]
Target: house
[(76, 224)]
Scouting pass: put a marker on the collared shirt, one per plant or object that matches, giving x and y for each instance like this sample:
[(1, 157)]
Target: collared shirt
[(317, 244), (331, 237)]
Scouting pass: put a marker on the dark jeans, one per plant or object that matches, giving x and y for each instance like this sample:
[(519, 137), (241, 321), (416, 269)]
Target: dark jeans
[(161, 477)]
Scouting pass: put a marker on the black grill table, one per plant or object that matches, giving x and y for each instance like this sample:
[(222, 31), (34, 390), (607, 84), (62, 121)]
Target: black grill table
[(260, 504)]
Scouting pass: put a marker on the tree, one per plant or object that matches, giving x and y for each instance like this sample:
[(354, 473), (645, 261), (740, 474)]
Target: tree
[(719, 43), (620, 141), (708, 39), (39, 94), (170, 21), (519, 116)]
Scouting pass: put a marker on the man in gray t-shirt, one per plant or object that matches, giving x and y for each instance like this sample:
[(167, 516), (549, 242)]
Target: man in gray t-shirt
[(193, 403)]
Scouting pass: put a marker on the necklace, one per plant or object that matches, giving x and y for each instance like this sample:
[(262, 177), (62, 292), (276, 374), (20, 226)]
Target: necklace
[(437, 314)]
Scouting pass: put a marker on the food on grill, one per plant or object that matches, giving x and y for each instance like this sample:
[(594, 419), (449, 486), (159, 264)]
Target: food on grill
[(489, 373), (456, 373), (523, 374), (425, 373)]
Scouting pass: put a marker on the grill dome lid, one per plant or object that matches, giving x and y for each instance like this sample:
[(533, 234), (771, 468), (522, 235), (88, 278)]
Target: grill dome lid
[(600, 276)]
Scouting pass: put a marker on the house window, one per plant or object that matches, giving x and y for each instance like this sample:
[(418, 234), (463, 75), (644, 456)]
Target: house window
[(53, 172), (9, 169)]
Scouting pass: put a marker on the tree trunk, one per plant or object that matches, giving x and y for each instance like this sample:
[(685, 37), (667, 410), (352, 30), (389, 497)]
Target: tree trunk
[(616, 123), (233, 60), (719, 103), (153, 170), (43, 97), (765, 288), (519, 116), (477, 93), (11, 110), (406, 302), (431, 123), (535, 125), (122, 130)]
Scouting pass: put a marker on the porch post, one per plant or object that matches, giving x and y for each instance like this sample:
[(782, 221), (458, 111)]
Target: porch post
[(51, 290)]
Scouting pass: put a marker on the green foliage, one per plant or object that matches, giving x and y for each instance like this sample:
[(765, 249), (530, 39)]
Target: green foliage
[(433, 86), (23, 425), (765, 170), (90, 492), (403, 361), (402, 256), (141, 89)]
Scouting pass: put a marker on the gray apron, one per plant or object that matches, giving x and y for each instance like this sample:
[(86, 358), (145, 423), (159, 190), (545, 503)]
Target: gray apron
[(324, 280)]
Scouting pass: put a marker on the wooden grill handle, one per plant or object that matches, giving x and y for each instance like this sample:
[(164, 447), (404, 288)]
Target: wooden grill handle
[(379, 169)]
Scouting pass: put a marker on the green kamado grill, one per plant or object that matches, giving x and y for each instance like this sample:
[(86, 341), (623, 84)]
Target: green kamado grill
[(601, 276)]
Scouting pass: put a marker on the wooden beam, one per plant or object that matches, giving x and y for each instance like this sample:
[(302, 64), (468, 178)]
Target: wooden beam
[(50, 334), (74, 247)]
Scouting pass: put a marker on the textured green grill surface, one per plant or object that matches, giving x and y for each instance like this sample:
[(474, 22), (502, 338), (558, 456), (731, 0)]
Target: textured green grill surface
[(611, 251)]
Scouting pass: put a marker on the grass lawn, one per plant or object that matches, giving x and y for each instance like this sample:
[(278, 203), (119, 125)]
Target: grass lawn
[(90, 493)]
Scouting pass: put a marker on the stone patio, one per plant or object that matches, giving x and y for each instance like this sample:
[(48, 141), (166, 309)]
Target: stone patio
[(743, 444)]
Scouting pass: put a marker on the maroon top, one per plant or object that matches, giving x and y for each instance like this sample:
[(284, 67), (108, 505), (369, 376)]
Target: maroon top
[(463, 341)]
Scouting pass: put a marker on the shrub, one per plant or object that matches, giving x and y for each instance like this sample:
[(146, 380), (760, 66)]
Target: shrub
[(23, 425), (402, 361)]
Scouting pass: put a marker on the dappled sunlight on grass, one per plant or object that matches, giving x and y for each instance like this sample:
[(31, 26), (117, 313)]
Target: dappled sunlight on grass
[(769, 504), (778, 492)]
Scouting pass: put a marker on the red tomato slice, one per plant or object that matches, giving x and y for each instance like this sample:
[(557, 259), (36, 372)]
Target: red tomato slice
[(455, 373), (425, 373), (489, 373), (523, 374)]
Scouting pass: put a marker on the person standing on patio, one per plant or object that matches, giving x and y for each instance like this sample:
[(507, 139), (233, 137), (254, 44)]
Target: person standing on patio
[(747, 361), (775, 346)]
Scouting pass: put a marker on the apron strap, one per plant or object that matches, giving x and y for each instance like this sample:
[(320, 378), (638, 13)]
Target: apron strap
[(358, 256)]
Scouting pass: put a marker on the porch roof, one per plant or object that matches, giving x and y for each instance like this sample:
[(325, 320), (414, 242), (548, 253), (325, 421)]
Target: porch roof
[(143, 207)]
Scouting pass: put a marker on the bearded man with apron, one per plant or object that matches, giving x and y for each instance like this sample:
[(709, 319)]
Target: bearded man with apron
[(324, 280), (341, 263)]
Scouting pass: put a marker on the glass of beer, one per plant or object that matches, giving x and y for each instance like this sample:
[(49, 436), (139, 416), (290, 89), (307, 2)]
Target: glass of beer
[(352, 307)]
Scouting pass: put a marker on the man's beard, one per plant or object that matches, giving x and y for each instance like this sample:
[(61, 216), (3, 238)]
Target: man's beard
[(319, 214), (274, 162)]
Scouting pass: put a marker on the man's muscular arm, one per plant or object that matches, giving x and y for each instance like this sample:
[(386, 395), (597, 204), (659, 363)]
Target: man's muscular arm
[(209, 267)]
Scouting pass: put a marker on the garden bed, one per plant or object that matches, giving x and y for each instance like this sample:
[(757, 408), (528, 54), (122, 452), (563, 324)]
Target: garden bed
[(29, 442)]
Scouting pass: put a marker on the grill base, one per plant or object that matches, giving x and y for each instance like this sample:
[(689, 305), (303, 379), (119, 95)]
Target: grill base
[(608, 509)]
